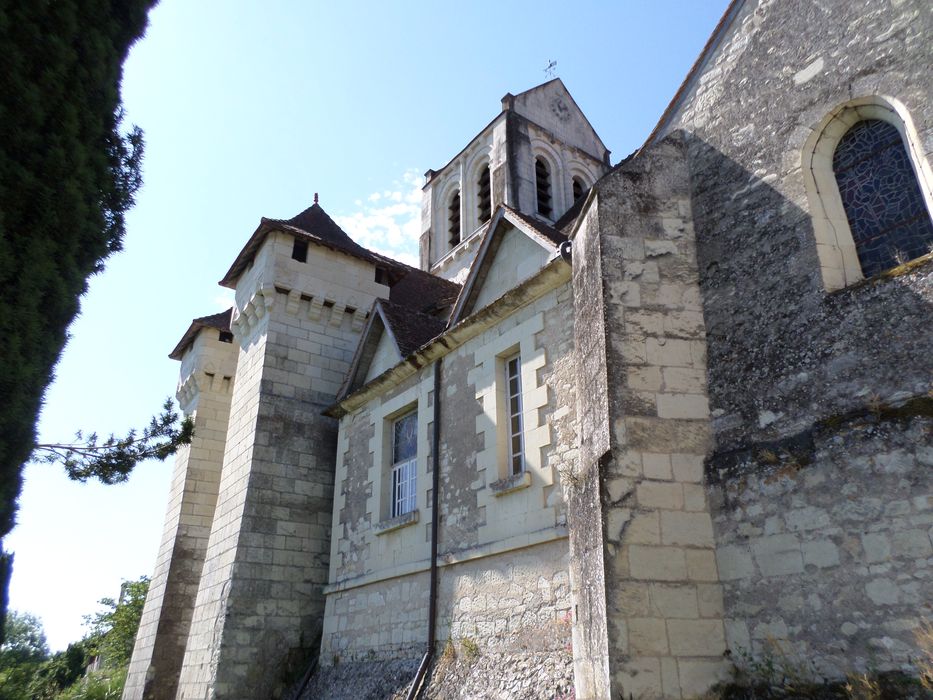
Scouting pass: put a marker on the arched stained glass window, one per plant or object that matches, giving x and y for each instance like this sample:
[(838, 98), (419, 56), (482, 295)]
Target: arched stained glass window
[(882, 200)]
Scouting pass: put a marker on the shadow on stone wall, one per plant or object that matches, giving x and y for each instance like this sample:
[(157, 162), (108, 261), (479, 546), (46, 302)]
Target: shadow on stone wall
[(820, 478), (784, 354)]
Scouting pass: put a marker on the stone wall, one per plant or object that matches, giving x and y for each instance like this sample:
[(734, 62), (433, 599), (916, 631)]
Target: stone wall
[(782, 352), (502, 548), (818, 496), (825, 549), (503, 621)]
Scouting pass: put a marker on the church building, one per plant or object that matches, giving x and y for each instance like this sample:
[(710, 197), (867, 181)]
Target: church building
[(627, 428)]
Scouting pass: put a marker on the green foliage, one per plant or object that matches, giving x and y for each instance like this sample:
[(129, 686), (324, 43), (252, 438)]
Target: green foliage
[(112, 460), (21, 655), (25, 640), (98, 685), (59, 672), (28, 673), (113, 630), (68, 173)]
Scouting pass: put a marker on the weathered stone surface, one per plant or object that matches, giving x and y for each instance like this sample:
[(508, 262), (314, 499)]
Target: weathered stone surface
[(848, 574), (816, 398)]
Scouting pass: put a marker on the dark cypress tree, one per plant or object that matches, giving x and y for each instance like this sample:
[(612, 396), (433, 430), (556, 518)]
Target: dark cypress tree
[(67, 176)]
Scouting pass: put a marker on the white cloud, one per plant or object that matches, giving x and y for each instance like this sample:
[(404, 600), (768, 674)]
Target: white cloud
[(224, 299), (389, 222)]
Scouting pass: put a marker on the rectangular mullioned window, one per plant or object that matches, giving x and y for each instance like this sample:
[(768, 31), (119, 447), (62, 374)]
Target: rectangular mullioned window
[(404, 463), (513, 404)]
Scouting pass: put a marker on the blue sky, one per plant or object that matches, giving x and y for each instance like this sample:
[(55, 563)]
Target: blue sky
[(248, 110)]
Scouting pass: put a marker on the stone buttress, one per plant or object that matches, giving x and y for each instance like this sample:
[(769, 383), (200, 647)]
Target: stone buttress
[(647, 597)]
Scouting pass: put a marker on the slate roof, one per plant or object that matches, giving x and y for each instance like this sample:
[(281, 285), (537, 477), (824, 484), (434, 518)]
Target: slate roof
[(423, 292), (569, 217), (411, 329), (219, 321)]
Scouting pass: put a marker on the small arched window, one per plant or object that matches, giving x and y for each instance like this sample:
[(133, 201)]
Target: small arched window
[(578, 188), (483, 196), (543, 184), (453, 219), (881, 197)]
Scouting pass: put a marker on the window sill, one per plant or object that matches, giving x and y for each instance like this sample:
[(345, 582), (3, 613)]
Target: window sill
[(902, 269), (396, 523), (510, 484)]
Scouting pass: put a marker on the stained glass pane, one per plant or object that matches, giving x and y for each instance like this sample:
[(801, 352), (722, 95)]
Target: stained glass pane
[(405, 438), (881, 197)]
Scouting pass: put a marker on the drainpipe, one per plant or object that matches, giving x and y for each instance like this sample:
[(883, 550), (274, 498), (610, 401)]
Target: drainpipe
[(435, 518)]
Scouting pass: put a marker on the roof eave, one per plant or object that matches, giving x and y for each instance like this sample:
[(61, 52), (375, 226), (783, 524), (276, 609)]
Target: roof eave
[(552, 275)]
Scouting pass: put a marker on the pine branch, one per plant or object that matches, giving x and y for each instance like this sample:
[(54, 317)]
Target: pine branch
[(112, 460)]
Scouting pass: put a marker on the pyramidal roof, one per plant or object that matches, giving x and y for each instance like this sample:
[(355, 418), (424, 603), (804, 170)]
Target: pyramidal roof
[(312, 224), (315, 222), (219, 321)]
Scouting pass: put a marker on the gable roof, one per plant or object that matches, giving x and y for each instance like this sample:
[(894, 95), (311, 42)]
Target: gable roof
[(541, 233), (409, 330), (219, 321), (509, 105), (415, 313), (518, 104), (720, 31), (313, 224)]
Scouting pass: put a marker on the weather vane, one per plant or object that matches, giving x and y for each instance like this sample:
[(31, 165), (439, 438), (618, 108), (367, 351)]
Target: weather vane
[(551, 69)]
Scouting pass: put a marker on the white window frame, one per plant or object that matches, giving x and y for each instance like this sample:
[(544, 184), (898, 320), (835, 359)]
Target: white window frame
[(515, 428), (404, 473)]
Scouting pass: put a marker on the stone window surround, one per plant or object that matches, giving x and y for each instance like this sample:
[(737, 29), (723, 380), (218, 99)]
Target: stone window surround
[(509, 499), (380, 471), (471, 205), (576, 171), (489, 380), (564, 166), (835, 246), (504, 397)]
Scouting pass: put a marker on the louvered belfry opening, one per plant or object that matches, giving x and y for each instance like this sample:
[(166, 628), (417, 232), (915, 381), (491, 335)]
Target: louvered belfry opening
[(577, 189), (453, 220), (543, 180), (484, 196)]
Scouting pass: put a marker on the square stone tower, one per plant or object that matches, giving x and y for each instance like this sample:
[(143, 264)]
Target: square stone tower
[(238, 612)]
